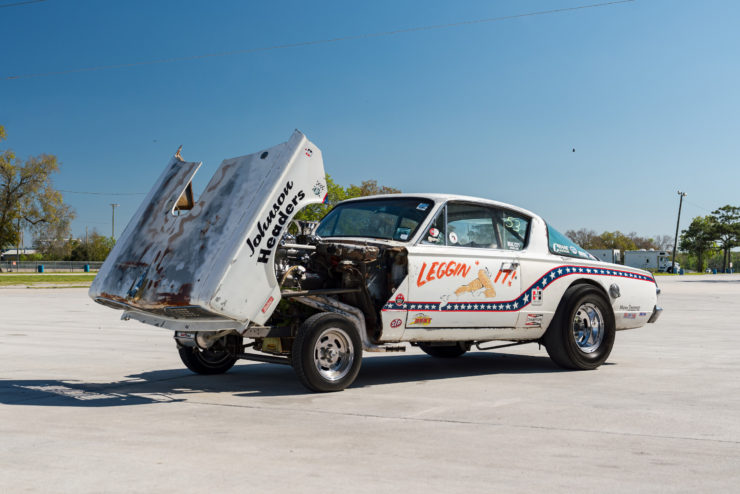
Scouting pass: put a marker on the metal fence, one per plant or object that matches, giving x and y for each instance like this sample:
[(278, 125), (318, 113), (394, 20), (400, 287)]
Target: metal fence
[(48, 266)]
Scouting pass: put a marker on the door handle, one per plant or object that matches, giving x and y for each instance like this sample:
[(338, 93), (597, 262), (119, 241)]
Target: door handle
[(510, 267)]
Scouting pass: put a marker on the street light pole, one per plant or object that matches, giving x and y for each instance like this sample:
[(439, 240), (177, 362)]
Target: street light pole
[(113, 221), (675, 241)]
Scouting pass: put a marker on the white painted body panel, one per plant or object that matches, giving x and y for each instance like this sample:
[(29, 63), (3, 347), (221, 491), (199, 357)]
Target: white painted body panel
[(433, 312)]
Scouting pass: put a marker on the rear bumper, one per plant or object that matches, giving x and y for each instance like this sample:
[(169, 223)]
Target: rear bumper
[(657, 311)]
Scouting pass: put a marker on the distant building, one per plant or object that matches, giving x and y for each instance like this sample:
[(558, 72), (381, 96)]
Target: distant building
[(12, 254)]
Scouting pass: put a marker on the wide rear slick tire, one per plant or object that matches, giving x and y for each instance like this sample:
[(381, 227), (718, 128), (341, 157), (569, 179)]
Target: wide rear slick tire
[(327, 352), (581, 335)]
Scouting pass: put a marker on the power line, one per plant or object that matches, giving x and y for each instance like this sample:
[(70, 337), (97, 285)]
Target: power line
[(17, 4), (319, 41), (102, 193)]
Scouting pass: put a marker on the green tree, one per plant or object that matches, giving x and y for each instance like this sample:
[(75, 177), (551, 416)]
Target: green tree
[(618, 240), (698, 239), (97, 248), (336, 193), (27, 196), (588, 239), (726, 230)]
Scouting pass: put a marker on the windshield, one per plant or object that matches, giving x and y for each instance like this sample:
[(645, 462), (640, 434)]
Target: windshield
[(563, 246), (392, 219)]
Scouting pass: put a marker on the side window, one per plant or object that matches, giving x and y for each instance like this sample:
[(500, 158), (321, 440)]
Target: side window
[(435, 235), (513, 230), (469, 225)]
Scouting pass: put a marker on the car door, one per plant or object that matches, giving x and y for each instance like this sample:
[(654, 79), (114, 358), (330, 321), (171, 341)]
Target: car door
[(465, 272)]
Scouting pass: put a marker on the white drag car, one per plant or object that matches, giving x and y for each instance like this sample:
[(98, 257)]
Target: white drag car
[(228, 275)]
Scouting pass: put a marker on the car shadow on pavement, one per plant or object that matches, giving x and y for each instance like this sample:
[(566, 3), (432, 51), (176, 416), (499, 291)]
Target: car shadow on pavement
[(244, 381)]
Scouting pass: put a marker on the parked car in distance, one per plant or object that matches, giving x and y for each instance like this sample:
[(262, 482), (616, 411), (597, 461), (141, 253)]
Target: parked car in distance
[(442, 272)]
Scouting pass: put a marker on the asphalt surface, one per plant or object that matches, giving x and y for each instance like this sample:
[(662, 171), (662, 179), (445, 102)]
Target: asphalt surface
[(89, 403)]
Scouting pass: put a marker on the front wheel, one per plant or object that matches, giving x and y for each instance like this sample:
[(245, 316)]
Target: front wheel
[(215, 360), (581, 335), (327, 352)]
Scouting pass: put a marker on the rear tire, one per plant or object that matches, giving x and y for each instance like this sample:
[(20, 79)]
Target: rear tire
[(446, 351), (327, 352), (581, 335)]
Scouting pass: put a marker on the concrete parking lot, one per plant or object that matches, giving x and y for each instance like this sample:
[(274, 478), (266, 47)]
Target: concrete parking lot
[(89, 403)]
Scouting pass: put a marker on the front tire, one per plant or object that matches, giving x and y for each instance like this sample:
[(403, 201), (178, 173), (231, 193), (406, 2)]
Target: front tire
[(327, 352), (215, 360), (581, 335)]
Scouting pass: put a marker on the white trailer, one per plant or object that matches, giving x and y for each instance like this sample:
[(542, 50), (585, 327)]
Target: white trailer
[(613, 256), (655, 260)]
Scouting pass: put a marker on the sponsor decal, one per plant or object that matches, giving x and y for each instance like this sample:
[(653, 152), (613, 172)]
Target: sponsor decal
[(423, 206), (420, 320), (396, 323), (514, 245), (453, 237), (318, 188), (534, 320), (560, 248), (643, 314), (439, 270), (267, 304), (537, 296), (630, 315), (400, 299), (281, 210), (629, 307), (309, 152)]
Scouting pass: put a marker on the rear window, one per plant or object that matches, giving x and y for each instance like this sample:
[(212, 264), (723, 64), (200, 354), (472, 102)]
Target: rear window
[(563, 246)]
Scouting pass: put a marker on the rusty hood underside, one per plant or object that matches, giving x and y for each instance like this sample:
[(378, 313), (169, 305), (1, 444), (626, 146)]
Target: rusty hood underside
[(216, 259)]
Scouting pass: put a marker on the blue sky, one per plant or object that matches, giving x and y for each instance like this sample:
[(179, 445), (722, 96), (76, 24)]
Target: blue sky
[(647, 92)]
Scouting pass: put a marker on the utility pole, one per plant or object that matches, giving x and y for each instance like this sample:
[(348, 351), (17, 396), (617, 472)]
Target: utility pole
[(87, 246), (113, 221), (675, 241)]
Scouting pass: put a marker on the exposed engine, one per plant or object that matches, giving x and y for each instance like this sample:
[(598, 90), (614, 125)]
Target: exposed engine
[(360, 274)]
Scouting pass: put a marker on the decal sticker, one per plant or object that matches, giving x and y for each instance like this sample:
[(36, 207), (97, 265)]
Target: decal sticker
[(508, 272), (630, 315), (423, 206), (439, 270), (434, 233), (309, 152), (643, 314), (318, 188), (396, 323), (280, 211), (402, 233), (514, 245), (400, 299), (421, 320), (536, 296), (530, 296), (534, 320), (267, 304), (481, 283), (633, 308), (453, 237)]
